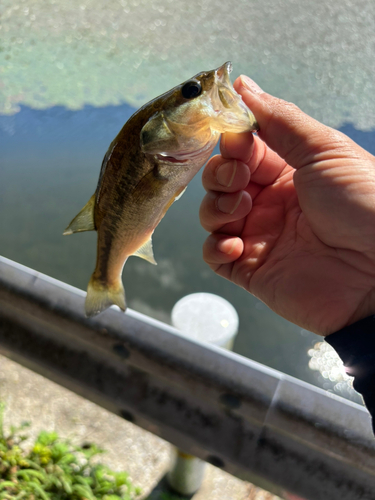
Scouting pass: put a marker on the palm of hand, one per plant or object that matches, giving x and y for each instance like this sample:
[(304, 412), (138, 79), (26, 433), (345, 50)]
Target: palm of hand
[(306, 247), (312, 266)]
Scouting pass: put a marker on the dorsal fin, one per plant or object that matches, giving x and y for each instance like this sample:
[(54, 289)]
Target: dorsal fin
[(146, 252), (84, 220)]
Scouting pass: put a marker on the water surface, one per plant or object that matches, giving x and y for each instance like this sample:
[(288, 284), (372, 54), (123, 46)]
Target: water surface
[(50, 161), (67, 68)]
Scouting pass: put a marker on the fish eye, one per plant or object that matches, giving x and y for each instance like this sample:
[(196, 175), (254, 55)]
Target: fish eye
[(191, 89)]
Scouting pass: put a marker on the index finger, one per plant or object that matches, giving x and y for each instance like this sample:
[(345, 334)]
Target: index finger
[(264, 164), (237, 146)]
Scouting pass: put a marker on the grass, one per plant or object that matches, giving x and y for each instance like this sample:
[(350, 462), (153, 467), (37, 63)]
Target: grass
[(55, 469)]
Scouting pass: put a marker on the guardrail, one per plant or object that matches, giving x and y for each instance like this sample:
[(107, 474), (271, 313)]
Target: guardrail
[(252, 421)]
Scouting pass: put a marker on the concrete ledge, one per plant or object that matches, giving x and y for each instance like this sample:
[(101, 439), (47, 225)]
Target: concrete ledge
[(249, 420), (146, 457)]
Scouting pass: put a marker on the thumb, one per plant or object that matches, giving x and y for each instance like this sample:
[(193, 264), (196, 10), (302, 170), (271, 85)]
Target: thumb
[(293, 135)]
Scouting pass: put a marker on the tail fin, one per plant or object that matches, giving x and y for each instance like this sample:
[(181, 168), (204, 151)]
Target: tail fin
[(99, 297)]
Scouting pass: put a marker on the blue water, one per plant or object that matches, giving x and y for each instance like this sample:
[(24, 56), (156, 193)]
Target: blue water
[(49, 165)]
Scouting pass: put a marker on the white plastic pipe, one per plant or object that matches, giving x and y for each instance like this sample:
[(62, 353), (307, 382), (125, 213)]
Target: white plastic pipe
[(208, 318)]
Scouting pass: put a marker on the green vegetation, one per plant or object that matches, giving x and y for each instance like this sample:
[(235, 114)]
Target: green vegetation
[(170, 496), (54, 469)]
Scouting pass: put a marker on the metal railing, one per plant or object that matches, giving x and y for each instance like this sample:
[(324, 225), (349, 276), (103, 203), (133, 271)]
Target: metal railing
[(252, 421)]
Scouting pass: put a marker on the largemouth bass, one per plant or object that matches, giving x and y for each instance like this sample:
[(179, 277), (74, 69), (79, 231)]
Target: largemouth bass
[(147, 167)]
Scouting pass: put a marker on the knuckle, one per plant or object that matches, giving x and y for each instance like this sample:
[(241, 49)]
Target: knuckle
[(280, 108)]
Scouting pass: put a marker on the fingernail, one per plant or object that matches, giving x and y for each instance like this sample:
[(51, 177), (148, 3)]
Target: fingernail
[(228, 203), (249, 84), (226, 172), (227, 246)]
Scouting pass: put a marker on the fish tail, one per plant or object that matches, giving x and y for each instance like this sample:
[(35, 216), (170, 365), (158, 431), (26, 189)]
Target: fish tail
[(100, 297)]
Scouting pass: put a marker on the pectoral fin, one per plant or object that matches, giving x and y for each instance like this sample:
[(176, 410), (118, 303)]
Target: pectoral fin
[(84, 221), (178, 196), (146, 252)]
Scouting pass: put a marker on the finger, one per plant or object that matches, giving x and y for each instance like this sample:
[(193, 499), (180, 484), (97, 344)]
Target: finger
[(218, 209), (293, 135), (265, 165), (219, 249), (227, 176), (238, 146)]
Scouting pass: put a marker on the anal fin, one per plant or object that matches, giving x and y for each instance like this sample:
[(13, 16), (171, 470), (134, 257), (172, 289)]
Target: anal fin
[(146, 252), (84, 220)]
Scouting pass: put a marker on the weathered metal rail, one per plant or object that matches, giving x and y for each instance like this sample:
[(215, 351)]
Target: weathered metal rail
[(252, 421)]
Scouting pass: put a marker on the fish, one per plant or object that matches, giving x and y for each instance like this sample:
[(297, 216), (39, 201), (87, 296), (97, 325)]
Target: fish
[(147, 167)]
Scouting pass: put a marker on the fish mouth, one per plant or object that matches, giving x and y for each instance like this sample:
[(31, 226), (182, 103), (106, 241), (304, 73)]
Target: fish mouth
[(223, 72), (169, 159), (187, 156), (232, 114)]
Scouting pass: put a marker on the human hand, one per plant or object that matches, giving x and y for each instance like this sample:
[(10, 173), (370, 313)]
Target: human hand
[(292, 216)]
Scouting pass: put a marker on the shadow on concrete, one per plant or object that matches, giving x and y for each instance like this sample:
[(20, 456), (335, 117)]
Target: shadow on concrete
[(162, 491)]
